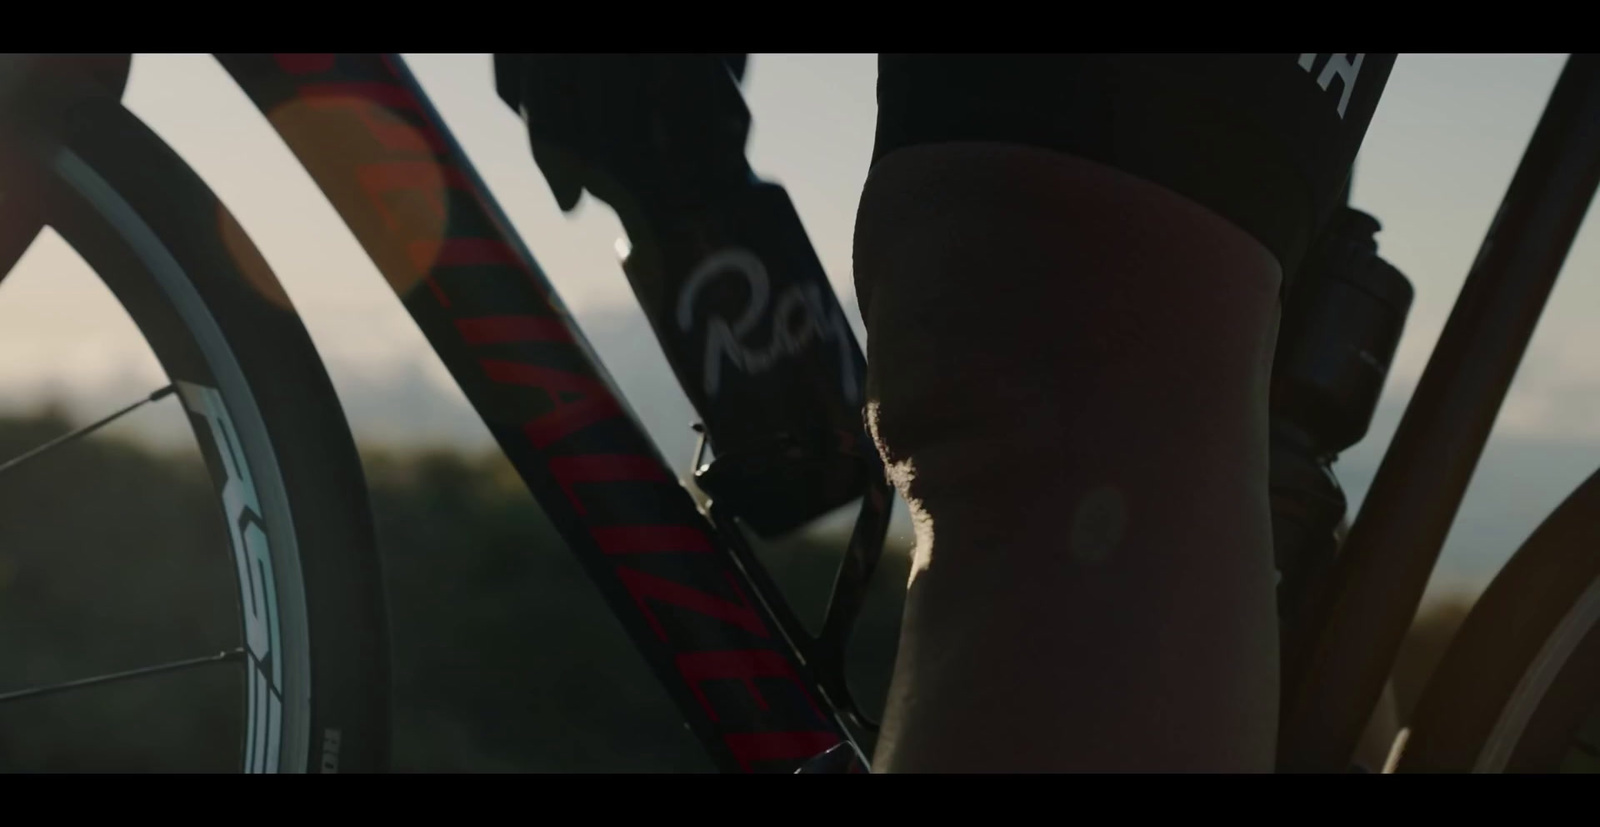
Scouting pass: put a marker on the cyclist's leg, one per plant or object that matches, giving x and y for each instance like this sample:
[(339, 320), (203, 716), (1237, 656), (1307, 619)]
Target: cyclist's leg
[(1069, 269)]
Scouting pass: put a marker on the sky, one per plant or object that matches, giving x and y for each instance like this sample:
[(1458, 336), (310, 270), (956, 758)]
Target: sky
[(1438, 157)]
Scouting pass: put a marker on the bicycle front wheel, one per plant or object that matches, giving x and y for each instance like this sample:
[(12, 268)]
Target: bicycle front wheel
[(311, 642)]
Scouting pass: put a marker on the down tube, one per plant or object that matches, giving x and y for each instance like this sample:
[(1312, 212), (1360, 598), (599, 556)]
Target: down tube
[(366, 132)]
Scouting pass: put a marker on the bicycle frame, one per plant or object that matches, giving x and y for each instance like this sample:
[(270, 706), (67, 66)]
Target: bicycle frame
[(694, 600), (1379, 578), (758, 692)]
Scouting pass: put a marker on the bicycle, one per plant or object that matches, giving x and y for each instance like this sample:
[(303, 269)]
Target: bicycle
[(758, 690)]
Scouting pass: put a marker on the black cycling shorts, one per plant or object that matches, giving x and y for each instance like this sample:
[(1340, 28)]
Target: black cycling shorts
[(1266, 141)]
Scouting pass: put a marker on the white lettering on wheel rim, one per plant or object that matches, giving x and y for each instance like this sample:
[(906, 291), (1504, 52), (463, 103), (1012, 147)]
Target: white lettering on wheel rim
[(258, 598), (290, 721)]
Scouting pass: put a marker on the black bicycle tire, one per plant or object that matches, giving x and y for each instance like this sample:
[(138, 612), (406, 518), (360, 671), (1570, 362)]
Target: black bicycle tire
[(1524, 667), (226, 334)]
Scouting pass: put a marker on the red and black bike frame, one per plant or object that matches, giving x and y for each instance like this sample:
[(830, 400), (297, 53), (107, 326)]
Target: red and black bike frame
[(759, 692)]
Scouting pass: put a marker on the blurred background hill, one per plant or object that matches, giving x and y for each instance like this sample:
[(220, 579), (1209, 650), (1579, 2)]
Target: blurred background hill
[(112, 556)]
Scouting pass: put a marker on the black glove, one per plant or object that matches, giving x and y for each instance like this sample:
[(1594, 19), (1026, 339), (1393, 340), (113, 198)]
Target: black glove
[(621, 123)]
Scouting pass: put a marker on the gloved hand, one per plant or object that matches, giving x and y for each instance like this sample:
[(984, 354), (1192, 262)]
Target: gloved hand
[(605, 123)]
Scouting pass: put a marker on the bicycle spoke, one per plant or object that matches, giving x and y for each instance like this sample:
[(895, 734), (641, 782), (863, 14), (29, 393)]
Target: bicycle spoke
[(85, 430), (143, 672)]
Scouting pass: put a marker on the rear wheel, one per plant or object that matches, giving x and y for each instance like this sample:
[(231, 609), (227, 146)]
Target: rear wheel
[(1519, 688), (311, 644)]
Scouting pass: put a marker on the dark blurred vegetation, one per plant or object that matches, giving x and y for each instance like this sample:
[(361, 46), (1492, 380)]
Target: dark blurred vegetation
[(112, 556), (505, 659)]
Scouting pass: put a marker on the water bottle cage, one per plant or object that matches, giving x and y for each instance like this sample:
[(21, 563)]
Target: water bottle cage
[(767, 482)]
